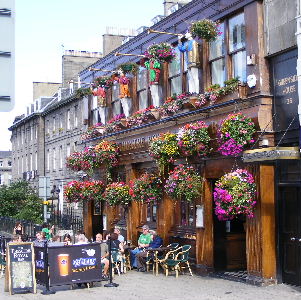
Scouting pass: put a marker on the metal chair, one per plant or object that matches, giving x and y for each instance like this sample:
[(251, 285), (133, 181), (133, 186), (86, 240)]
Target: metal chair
[(118, 262), (177, 260)]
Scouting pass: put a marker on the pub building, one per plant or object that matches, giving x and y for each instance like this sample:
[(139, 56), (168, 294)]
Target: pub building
[(251, 244)]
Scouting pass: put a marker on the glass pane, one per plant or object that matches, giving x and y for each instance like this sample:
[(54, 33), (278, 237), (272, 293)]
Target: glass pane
[(191, 214), (183, 213), (218, 72), (116, 107), (142, 78), (237, 30), (142, 96), (115, 91), (216, 48), (239, 65), (154, 213), (176, 85), (175, 66)]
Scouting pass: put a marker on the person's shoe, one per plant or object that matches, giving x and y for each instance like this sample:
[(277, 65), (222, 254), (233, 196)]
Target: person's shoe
[(104, 277), (141, 270)]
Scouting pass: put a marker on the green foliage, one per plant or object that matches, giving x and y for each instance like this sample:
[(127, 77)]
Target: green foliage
[(20, 201), (82, 92)]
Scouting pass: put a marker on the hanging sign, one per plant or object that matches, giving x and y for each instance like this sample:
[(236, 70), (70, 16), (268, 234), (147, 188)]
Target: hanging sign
[(21, 269), (271, 153)]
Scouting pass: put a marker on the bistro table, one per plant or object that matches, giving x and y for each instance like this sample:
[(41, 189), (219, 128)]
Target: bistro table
[(155, 252)]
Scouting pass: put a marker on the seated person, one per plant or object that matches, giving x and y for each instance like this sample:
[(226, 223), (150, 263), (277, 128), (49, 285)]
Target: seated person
[(40, 239), (117, 246), (67, 239), (104, 252), (155, 243), (143, 242), (81, 240), (120, 236), (55, 242)]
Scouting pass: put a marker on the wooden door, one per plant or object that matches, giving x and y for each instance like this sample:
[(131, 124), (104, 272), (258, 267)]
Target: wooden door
[(290, 233)]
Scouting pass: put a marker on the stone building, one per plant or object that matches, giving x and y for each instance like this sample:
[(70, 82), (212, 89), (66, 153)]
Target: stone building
[(5, 167)]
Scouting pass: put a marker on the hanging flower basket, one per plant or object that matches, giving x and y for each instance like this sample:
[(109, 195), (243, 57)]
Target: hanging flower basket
[(162, 52), (117, 193), (103, 81), (130, 68), (184, 183), (107, 153), (164, 149), (234, 195), (76, 191), (205, 29), (235, 134), (194, 139), (83, 161), (147, 189), (82, 92)]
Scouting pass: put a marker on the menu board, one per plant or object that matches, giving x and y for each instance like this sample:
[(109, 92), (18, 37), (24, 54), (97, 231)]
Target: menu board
[(20, 266)]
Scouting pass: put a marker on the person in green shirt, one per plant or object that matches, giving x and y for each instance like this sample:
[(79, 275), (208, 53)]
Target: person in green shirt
[(143, 242), (48, 232)]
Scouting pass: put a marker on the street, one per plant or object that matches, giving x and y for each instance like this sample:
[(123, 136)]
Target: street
[(135, 285)]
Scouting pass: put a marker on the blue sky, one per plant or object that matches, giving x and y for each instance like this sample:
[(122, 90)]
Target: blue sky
[(43, 26)]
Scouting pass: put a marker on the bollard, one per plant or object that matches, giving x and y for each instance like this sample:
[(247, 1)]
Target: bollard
[(111, 283)]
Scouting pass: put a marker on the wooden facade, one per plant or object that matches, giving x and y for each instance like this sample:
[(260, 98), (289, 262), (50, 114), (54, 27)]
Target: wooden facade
[(244, 244)]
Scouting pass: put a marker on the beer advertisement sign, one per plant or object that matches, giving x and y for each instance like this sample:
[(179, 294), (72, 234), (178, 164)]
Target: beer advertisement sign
[(74, 264), (20, 266)]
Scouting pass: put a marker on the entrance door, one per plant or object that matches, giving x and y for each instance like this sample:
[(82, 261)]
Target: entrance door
[(290, 233)]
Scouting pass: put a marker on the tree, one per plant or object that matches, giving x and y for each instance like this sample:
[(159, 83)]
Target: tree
[(20, 201)]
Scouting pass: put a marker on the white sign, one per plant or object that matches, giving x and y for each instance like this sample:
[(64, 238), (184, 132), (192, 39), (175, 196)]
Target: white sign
[(199, 216)]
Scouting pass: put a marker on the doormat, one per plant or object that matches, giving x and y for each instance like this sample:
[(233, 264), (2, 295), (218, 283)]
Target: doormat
[(239, 276)]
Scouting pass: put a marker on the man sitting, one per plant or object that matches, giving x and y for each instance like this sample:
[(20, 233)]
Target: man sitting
[(141, 257), (104, 252), (143, 242)]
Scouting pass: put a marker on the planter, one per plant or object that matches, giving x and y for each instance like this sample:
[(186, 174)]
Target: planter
[(193, 100), (101, 130), (187, 104), (126, 106), (123, 123), (242, 91), (155, 113)]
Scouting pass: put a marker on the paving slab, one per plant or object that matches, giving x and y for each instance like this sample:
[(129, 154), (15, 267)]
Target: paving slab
[(145, 286)]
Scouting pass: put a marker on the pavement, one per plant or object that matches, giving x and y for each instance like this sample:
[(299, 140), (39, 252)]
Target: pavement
[(145, 286)]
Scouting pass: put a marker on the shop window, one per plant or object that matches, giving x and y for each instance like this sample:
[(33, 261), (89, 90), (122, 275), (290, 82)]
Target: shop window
[(225, 52), (142, 88), (174, 74)]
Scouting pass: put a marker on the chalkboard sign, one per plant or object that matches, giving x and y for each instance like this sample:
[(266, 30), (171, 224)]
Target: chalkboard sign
[(20, 266)]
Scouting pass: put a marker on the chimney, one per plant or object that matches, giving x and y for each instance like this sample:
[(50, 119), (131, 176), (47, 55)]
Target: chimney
[(168, 5)]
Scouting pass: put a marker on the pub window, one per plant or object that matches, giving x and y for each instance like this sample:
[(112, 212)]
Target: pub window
[(217, 58), (231, 52), (68, 119), (151, 215), (116, 105), (95, 114), (142, 87), (75, 115), (187, 213), (174, 74), (237, 44), (54, 125)]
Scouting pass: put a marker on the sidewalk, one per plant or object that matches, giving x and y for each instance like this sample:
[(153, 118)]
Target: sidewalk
[(135, 285)]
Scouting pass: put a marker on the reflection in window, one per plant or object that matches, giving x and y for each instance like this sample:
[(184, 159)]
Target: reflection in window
[(175, 74), (116, 105), (237, 33), (239, 65), (151, 212), (142, 88), (218, 72)]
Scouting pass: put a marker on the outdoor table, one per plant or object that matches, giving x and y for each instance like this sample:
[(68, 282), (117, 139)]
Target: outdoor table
[(155, 251)]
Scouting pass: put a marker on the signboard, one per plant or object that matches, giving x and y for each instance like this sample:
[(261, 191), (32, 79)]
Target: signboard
[(40, 264), (74, 264), (271, 153), (20, 266)]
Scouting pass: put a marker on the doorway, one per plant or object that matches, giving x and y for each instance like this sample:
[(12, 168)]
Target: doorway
[(290, 233)]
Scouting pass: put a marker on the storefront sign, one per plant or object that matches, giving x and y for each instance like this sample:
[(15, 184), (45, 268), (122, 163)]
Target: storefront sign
[(20, 266), (40, 264), (271, 153), (137, 143)]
